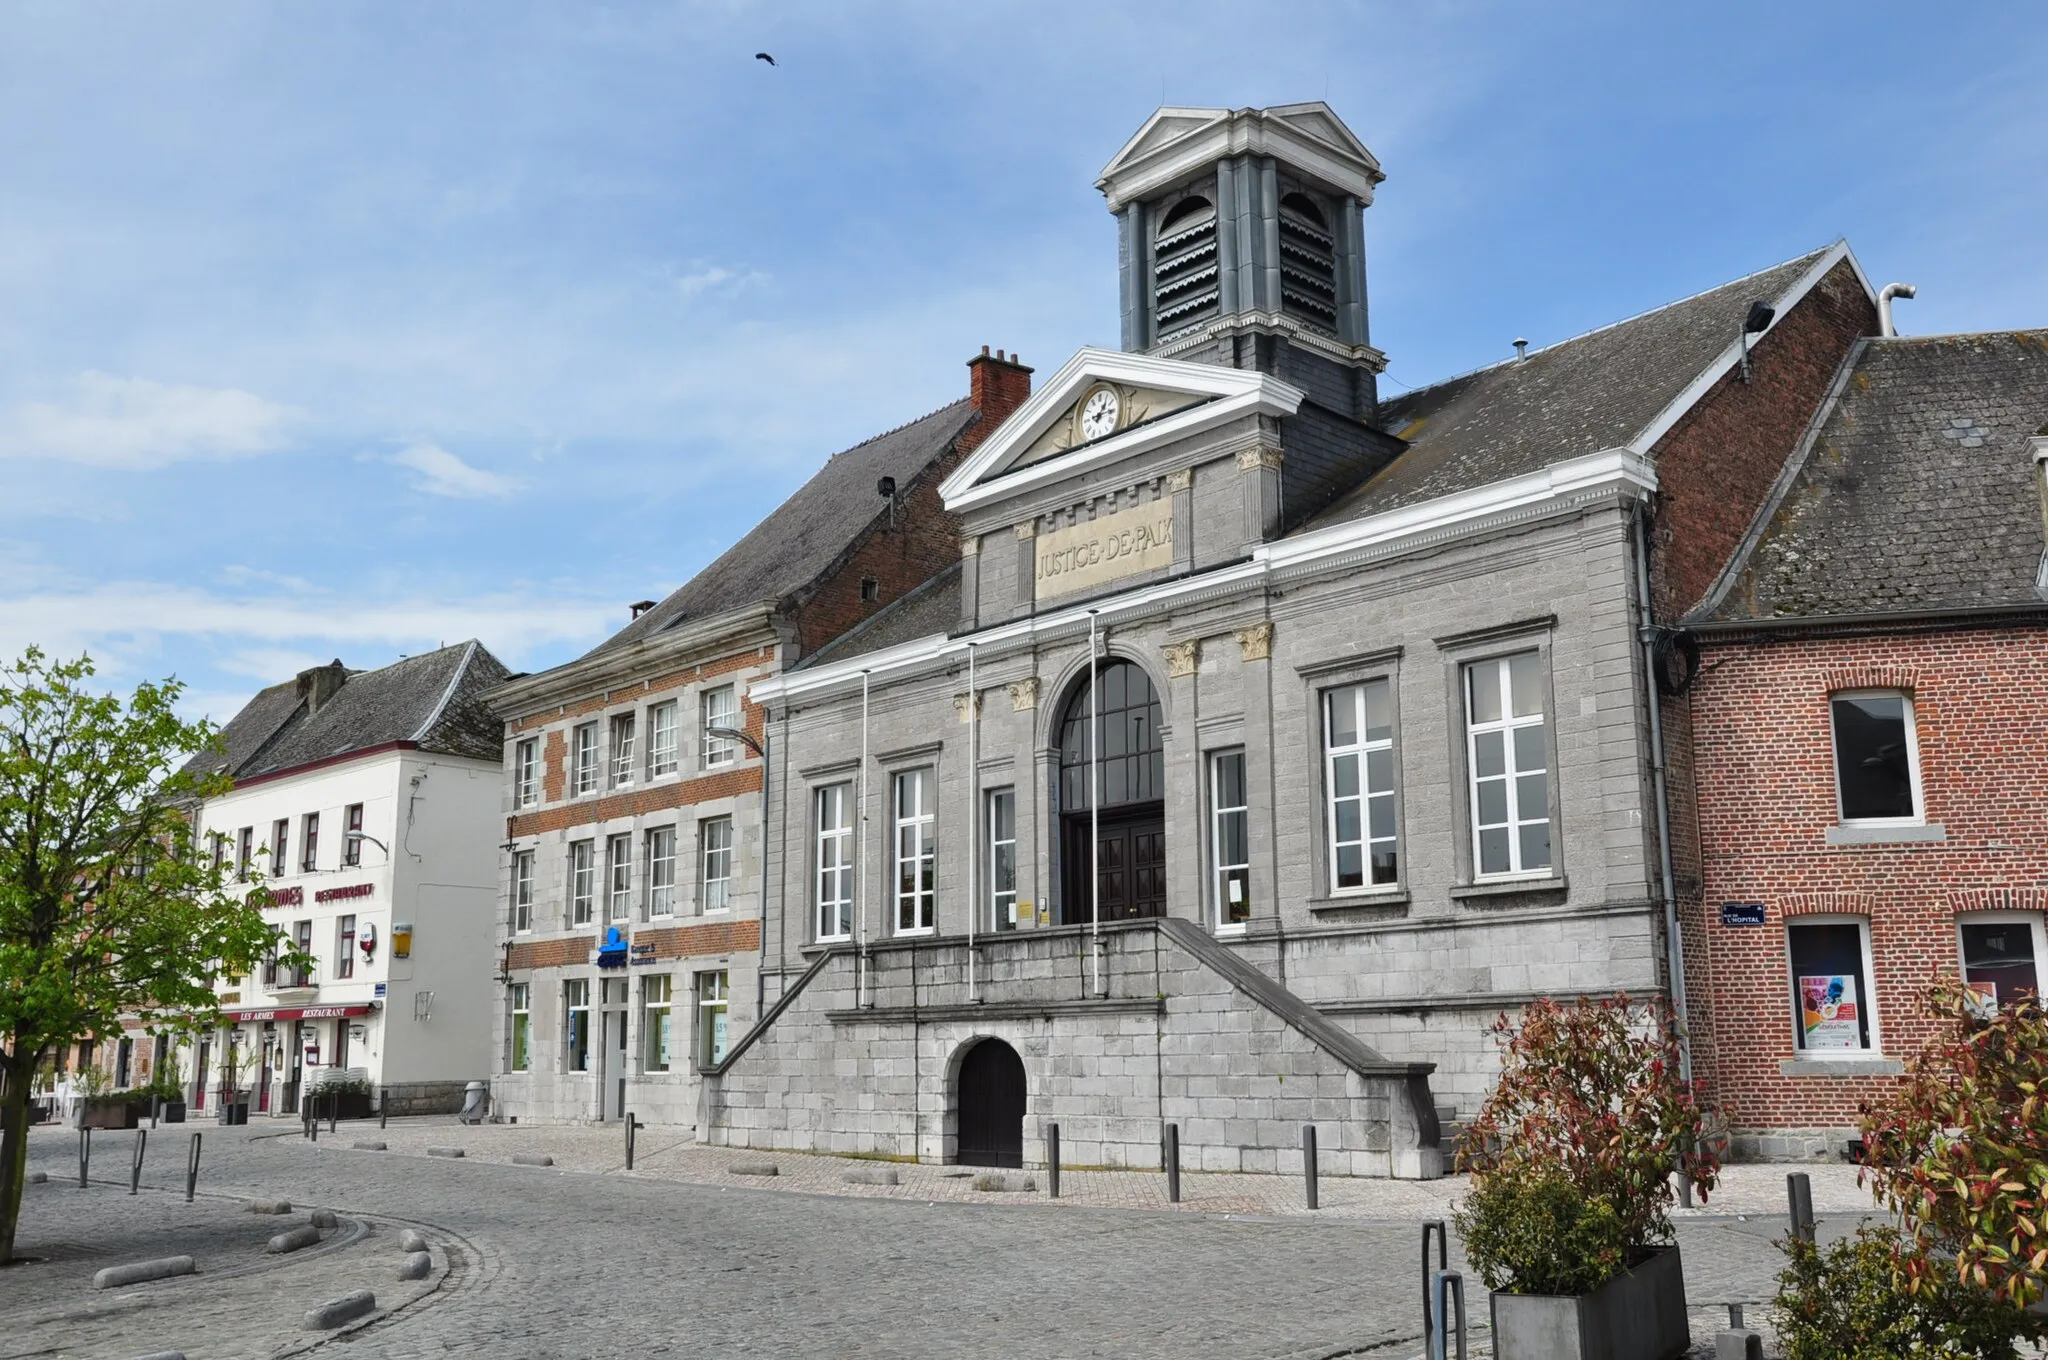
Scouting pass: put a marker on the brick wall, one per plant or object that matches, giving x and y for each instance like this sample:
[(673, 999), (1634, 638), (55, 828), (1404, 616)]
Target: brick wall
[(1764, 765), (716, 937), (549, 953)]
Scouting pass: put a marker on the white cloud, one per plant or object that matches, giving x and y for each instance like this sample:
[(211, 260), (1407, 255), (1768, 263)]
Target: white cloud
[(136, 423), (715, 276), (441, 473)]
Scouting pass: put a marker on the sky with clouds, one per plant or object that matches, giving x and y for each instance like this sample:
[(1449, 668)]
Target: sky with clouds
[(346, 330)]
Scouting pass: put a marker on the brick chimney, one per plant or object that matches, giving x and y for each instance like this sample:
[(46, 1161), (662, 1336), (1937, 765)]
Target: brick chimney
[(999, 384), (321, 683)]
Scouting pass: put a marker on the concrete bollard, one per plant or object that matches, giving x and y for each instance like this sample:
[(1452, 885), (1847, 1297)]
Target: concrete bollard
[(369, 1145), (444, 1152), (270, 1206), (1799, 1190), (324, 1218), (532, 1159), (411, 1240), (998, 1183), (417, 1266), (335, 1312), (136, 1272), (1738, 1344), (754, 1169), (305, 1235), (872, 1175)]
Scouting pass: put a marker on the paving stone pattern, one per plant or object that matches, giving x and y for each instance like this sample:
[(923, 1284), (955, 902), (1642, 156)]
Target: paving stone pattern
[(681, 1257)]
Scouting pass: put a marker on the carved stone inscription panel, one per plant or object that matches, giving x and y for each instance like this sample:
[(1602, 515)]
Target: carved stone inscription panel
[(1104, 549)]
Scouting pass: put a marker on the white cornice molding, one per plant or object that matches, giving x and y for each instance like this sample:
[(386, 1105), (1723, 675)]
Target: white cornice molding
[(1557, 489), (1233, 393), (1339, 160), (706, 639)]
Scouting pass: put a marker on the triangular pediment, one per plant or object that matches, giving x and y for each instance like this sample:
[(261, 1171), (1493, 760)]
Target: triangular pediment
[(1151, 402), (1177, 143)]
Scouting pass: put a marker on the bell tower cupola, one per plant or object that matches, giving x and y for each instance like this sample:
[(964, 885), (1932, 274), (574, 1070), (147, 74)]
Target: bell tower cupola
[(1241, 242)]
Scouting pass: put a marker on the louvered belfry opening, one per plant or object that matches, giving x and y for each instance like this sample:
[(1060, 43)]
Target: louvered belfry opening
[(1186, 286), (1308, 264)]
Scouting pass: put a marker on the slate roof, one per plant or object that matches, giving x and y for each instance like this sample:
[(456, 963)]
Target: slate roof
[(1915, 492), (932, 608), (1594, 392), (801, 539), (432, 700)]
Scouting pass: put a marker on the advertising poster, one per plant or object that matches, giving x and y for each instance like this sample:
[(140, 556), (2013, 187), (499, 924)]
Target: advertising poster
[(1828, 1010)]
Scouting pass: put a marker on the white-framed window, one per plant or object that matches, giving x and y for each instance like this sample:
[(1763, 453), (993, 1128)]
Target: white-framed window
[(1877, 757), (576, 1025), (519, 1030), (352, 835), (917, 858), (719, 708), (309, 842), (583, 763), (661, 740), (522, 891), (1000, 817), (714, 883), (2001, 954), (661, 871), (1230, 848), (1363, 839), (656, 1001), (280, 847), (1833, 1007), (345, 946), (624, 760), (711, 1010), (833, 811), (526, 772), (618, 859), (1508, 755), (582, 882), (245, 851)]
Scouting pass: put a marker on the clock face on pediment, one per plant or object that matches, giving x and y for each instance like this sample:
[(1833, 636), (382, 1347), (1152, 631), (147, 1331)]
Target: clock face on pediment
[(1099, 412), (1102, 410)]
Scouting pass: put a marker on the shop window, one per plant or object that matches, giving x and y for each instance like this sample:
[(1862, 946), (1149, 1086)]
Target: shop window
[(1877, 775), (1831, 995), (655, 1004), (520, 1032), (1230, 851), (1358, 776), (576, 1024), (1508, 766), (2001, 958), (711, 1018)]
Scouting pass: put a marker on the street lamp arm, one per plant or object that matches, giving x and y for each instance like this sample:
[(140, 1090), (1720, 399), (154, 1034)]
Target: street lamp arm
[(735, 734), (361, 836)]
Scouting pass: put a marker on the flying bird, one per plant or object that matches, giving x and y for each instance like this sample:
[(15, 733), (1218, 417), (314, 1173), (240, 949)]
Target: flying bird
[(763, 56)]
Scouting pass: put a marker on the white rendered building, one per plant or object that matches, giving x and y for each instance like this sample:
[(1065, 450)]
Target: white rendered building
[(367, 801)]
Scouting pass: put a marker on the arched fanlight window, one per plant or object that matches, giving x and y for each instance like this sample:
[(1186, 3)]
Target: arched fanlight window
[(1132, 758), (1185, 283), (1308, 263)]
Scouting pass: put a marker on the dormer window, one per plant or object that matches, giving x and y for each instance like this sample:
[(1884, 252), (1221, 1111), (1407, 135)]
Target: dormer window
[(1185, 281), (1308, 264)]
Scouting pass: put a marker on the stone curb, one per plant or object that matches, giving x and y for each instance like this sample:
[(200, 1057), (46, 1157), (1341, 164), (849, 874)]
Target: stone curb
[(335, 1312), (753, 1169), (162, 1268), (417, 1266), (162, 1355), (1001, 1184), (885, 1175), (532, 1159), (324, 1218), (305, 1235), (270, 1206), (369, 1145), (444, 1152), (411, 1240), (38, 1177)]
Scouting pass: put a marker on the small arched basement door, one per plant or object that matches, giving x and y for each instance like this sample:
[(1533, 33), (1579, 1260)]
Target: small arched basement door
[(992, 1106)]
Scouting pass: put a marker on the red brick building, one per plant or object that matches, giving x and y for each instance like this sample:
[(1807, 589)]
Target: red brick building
[(1869, 737)]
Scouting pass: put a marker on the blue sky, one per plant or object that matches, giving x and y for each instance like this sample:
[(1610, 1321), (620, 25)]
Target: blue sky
[(344, 330)]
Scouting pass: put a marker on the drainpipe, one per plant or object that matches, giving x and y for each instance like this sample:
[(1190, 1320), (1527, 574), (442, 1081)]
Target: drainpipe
[(1884, 305), (1674, 941), (973, 818), (761, 914), (1094, 817), (864, 982)]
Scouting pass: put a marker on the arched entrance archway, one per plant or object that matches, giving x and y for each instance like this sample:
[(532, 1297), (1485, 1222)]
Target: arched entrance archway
[(991, 1106), (1127, 854)]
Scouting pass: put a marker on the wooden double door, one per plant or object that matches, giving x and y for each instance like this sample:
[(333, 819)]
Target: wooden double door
[(1129, 864)]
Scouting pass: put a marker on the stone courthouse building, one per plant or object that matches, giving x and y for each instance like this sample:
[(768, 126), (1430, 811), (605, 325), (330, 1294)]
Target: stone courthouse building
[(1258, 737)]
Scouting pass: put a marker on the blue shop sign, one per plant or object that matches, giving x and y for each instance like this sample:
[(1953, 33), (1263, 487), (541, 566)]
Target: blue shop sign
[(612, 952), (1742, 913)]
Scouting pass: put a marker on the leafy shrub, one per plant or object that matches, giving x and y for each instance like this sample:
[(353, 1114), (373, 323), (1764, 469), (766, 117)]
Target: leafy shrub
[(1961, 1151), (1541, 1236), (1850, 1302), (1589, 1098)]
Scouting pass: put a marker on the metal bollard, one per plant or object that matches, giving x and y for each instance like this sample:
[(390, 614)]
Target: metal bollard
[(312, 1129), (1799, 1190), (192, 1169), (383, 1110), (333, 1111), (1450, 1285), (1052, 1160), (135, 1171), (155, 1105), (84, 1155), (1308, 1161), (1443, 1262), (1173, 1163), (631, 1125)]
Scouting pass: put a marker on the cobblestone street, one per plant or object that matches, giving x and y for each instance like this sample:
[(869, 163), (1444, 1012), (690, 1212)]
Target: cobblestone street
[(684, 1256)]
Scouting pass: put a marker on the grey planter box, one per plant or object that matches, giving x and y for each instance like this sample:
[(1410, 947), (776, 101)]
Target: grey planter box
[(1636, 1316)]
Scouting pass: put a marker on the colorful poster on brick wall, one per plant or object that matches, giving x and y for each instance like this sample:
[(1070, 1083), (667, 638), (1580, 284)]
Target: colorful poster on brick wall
[(1828, 1010)]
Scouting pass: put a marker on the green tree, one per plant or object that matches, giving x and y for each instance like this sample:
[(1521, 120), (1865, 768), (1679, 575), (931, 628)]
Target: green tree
[(109, 906)]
